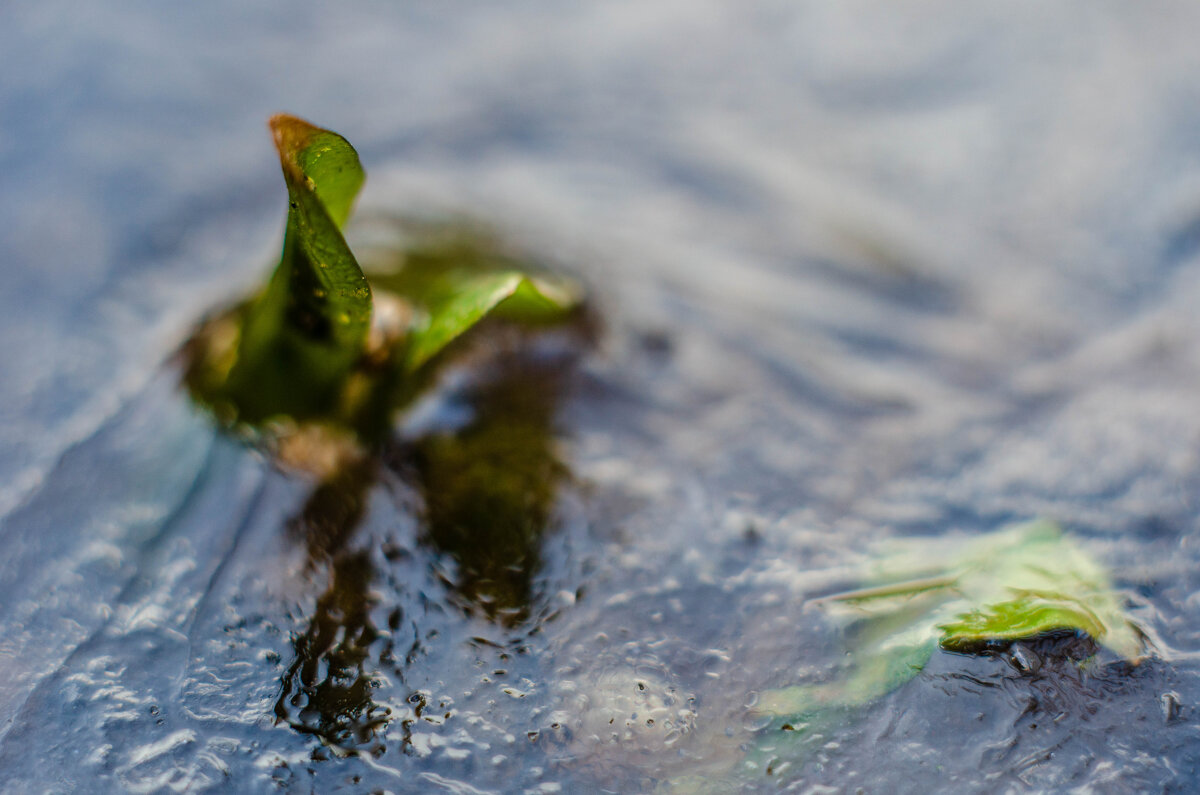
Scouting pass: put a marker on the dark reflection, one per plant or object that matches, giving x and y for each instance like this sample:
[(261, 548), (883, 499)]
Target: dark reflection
[(489, 488), (334, 510), (327, 688)]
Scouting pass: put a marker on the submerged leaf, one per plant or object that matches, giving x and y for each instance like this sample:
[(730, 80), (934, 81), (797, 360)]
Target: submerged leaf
[(1033, 580), (1029, 615), (1019, 583)]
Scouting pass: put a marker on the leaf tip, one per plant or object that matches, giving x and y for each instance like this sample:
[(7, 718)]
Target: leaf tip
[(291, 134), (285, 124)]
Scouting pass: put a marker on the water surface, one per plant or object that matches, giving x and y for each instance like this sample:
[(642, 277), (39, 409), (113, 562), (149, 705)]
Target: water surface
[(864, 273)]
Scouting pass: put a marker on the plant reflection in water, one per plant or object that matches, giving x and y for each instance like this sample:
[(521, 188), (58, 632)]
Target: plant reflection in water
[(486, 494)]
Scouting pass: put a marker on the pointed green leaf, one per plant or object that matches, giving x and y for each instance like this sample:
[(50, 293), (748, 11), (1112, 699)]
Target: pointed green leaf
[(303, 335), (320, 162)]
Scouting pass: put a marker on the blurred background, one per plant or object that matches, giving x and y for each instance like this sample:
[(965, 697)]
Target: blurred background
[(866, 270)]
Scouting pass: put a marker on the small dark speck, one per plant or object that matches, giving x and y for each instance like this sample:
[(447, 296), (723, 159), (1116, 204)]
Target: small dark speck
[(395, 552), (656, 343), (787, 727)]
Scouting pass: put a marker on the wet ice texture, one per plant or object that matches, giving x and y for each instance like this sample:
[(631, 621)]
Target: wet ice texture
[(866, 272)]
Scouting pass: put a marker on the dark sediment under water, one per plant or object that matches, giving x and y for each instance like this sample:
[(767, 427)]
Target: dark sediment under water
[(864, 274)]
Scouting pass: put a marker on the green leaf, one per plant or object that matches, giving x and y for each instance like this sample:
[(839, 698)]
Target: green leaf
[(464, 299), (1029, 615), (886, 668), (307, 351), (1018, 583), (1033, 580), (304, 334)]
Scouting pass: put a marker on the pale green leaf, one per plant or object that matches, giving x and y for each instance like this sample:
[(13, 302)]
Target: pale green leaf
[(1018, 583)]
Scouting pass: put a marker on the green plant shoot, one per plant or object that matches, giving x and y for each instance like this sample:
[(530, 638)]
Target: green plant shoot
[(308, 348)]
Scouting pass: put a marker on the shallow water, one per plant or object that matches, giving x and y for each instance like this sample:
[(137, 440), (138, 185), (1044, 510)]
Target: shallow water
[(864, 273)]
